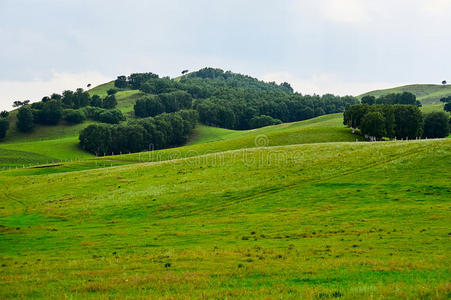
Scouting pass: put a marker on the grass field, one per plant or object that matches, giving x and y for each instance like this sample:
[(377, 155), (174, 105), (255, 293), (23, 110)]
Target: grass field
[(426, 93), (331, 220)]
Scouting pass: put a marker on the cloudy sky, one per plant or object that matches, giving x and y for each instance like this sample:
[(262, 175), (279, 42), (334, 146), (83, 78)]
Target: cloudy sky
[(319, 46)]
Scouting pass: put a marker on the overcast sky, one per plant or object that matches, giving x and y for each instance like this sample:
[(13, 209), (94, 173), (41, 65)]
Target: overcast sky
[(319, 46)]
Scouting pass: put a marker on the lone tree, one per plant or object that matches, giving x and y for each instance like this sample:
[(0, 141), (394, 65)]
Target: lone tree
[(184, 72), (4, 114), (444, 82), (20, 103), (89, 85)]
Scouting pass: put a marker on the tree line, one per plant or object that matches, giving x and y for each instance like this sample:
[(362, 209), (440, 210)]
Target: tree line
[(396, 121), (71, 106), (162, 131), (234, 101), (152, 105), (390, 99)]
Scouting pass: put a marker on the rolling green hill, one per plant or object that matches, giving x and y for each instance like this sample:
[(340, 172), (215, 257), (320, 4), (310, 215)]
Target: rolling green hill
[(426, 93), (332, 220), (204, 140)]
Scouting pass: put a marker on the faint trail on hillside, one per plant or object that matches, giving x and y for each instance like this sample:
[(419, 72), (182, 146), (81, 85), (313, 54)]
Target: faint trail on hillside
[(277, 189)]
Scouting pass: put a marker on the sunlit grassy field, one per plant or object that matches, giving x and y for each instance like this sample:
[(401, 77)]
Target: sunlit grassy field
[(331, 220)]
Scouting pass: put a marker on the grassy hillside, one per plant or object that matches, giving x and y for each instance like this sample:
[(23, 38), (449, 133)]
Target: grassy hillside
[(322, 129), (126, 99), (348, 220), (204, 140), (426, 93)]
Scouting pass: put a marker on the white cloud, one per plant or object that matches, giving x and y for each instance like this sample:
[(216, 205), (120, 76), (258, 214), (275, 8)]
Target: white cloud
[(347, 11), (38, 88), (361, 12), (342, 11), (324, 83), (437, 6)]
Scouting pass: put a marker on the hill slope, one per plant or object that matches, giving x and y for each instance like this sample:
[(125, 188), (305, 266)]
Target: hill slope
[(426, 93), (349, 220), (205, 139)]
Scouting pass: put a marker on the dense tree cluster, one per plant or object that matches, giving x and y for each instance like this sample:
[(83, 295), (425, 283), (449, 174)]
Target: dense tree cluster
[(164, 130), (134, 81), (152, 105), (396, 121), (73, 107), (230, 100), (391, 99)]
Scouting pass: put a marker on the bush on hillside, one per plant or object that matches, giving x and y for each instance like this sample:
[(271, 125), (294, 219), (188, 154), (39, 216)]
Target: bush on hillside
[(96, 101), (262, 121), (74, 116), (109, 102), (111, 116)]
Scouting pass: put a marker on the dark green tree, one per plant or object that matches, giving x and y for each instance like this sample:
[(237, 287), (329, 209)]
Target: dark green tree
[(409, 121), (111, 116), (4, 125), (96, 101), (447, 107), (121, 82), (25, 119), (68, 99), (4, 114), (74, 116), (109, 102), (51, 113), (261, 121), (436, 125), (373, 124), (111, 91), (370, 100)]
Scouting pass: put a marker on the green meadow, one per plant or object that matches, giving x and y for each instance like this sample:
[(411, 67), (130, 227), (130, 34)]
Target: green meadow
[(331, 220)]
